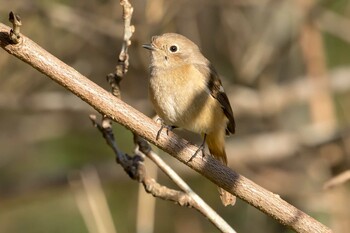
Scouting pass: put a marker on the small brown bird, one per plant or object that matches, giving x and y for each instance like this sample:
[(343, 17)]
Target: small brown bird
[(186, 92)]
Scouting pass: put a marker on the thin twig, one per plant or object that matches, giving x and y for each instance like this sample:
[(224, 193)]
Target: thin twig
[(123, 59), (135, 168), (197, 201)]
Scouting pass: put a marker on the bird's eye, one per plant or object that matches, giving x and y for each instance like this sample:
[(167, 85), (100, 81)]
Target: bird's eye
[(173, 48)]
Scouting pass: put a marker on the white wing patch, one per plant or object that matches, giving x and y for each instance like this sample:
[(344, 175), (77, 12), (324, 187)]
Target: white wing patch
[(221, 89)]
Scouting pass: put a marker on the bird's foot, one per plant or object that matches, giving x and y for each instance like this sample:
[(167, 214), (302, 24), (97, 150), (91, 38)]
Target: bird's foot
[(164, 126), (201, 148)]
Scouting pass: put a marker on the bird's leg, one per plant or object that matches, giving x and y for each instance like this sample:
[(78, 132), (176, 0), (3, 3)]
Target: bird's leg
[(200, 148), (164, 126)]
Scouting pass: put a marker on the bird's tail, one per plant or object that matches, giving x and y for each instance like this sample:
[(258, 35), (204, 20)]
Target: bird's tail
[(216, 145)]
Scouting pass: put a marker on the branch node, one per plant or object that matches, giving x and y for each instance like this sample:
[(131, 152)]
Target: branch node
[(16, 24), (144, 146), (134, 167), (114, 81)]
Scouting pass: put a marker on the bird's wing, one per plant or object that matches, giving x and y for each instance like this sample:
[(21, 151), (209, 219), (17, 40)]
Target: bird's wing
[(217, 91)]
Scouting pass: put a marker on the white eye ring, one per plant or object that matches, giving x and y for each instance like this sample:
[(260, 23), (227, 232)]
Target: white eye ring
[(173, 48)]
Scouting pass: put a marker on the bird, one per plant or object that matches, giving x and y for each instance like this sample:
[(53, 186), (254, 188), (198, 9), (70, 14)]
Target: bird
[(186, 92)]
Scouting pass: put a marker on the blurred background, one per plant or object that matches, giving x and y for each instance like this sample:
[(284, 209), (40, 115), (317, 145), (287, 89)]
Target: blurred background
[(284, 64)]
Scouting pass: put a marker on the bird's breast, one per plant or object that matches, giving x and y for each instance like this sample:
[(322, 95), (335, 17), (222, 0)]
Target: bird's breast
[(181, 98), (168, 94)]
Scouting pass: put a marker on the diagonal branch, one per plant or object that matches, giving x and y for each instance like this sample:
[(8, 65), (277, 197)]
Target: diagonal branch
[(107, 104)]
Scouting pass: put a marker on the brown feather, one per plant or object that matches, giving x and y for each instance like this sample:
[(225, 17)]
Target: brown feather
[(216, 90)]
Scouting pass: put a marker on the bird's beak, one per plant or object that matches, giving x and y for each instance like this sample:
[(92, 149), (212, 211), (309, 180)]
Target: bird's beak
[(149, 47)]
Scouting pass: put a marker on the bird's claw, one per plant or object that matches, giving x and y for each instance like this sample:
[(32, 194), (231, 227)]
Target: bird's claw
[(164, 126), (200, 148)]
